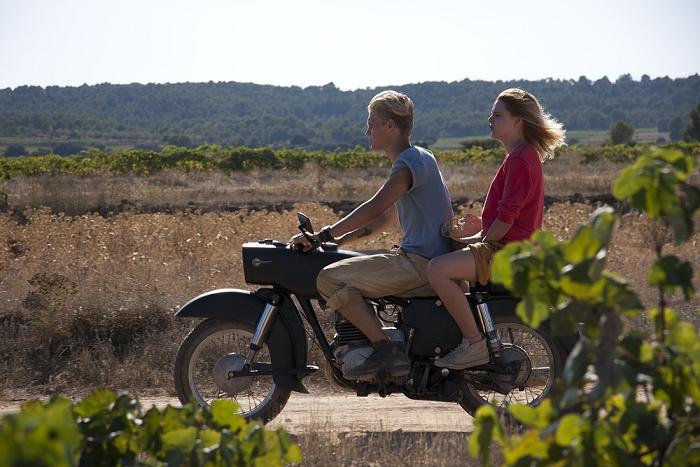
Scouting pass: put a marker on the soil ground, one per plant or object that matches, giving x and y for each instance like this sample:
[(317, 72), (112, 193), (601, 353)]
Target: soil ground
[(345, 414)]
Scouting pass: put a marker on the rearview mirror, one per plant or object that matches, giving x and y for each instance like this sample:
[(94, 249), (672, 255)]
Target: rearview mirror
[(304, 222)]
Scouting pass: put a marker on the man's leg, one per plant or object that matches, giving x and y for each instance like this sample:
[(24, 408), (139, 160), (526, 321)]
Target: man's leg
[(344, 284), (358, 313)]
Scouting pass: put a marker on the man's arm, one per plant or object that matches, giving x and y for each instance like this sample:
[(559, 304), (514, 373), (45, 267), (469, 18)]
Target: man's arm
[(389, 218), (375, 207), (370, 216)]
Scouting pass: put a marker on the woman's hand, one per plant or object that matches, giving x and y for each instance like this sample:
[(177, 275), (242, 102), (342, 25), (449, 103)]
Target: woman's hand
[(461, 227), (476, 238)]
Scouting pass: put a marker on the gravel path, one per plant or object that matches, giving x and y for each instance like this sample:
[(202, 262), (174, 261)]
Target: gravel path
[(346, 413)]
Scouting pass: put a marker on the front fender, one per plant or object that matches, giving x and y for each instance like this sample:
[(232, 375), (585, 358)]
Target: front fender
[(219, 304), (286, 340)]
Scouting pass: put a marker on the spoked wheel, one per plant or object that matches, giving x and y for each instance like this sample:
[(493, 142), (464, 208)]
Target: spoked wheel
[(536, 361), (203, 362)]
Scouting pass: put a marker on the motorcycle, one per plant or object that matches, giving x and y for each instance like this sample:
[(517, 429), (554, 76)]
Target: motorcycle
[(252, 346)]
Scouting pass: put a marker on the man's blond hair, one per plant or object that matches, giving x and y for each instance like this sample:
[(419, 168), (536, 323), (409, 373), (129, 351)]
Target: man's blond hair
[(395, 106)]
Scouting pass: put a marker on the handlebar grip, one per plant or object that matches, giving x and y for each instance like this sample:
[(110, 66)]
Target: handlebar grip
[(314, 243)]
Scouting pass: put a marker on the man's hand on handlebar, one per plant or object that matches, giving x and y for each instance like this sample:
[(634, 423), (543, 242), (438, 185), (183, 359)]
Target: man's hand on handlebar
[(300, 243)]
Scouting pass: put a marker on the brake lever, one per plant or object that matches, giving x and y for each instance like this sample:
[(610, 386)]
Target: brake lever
[(314, 243)]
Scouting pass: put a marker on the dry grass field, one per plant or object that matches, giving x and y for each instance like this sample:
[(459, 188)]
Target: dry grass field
[(89, 283), (88, 300)]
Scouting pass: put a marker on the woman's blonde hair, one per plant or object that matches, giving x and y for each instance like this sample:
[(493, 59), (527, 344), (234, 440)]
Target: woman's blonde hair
[(396, 106), (540, 129)]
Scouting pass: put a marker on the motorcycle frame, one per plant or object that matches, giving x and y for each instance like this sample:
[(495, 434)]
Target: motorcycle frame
[(478, 303), (278, 322)]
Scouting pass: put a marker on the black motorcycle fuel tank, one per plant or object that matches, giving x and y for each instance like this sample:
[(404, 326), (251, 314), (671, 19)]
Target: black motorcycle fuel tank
[(268, 262)]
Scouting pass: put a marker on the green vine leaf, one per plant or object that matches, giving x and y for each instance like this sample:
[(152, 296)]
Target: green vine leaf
[(671, 274)]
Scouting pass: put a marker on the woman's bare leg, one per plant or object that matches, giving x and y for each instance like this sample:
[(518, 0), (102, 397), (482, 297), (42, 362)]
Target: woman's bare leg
[(445, 273)]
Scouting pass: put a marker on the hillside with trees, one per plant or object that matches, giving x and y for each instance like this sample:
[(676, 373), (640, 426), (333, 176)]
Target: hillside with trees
[(318, 117)]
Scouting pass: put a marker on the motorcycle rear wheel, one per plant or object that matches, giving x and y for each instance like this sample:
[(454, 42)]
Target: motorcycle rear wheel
[(211, 340), (547, 358)]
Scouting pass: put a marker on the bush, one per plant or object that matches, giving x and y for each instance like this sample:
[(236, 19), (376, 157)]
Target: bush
[(106, 429), (642, 407), (692, 131), (67, 149), (15, 151), (621, 133), (488, 143), (212, 157)]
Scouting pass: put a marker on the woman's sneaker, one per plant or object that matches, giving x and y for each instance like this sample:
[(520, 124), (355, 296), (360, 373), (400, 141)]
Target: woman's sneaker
[(465, 355)]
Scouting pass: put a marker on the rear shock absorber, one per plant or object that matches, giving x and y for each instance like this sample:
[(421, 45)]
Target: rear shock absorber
[(493, 340)]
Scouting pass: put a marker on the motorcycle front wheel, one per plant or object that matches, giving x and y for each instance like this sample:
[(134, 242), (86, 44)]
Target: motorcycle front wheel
[(208, 353), (543, 358)]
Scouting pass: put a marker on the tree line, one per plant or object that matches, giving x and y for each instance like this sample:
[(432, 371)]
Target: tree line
[(323, 117)]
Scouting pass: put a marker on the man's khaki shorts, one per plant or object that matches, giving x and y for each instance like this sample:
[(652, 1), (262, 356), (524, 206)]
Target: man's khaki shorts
[(371, 276)]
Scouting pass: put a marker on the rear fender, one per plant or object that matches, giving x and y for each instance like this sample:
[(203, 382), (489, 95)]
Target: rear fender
[(286, 340)]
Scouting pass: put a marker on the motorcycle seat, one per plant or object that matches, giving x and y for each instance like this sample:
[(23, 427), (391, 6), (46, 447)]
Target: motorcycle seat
[(490, 288), (423, 291), (474, 287)]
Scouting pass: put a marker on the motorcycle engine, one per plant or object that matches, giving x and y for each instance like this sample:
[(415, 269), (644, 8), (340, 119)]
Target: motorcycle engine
[(354, 347)]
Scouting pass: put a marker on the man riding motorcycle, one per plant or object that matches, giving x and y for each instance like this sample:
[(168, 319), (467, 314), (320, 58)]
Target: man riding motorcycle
[(415, 195)]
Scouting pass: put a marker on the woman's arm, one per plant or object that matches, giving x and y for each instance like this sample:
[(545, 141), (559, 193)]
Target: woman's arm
[(497, 231), (517, 188)]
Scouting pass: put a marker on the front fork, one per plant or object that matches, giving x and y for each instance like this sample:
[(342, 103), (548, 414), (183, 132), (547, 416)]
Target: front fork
[(493, 339), (262, 330)]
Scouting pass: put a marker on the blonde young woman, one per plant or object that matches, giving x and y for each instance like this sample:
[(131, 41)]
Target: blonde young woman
[(512, 211)]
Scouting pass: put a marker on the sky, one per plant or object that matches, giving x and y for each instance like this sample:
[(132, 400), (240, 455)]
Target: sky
[(354, 44)]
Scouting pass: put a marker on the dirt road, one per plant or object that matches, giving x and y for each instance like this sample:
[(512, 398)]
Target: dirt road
[(341, 413)]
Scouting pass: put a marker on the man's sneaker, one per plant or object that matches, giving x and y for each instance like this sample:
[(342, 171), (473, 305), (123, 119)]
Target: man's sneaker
[(465, 355), (388, 357)]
